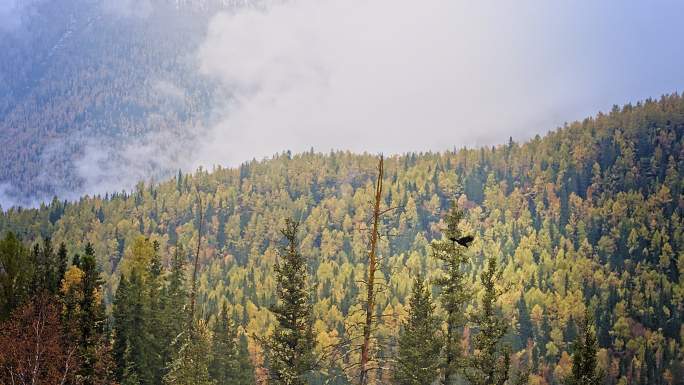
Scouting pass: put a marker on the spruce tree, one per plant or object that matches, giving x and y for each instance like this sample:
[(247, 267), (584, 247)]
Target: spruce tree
[(62, 262), (289, 350), (525, 327), (584, 362), (490, 361), (138, 334), (92, 320), (226, 366), (136, 321), (174, 302), (132, 348), (51, 270), (246, 371), (191, 363), (121, 316), (420, 343), (16, 273), (44, 262), (455, 291), (158, 342)]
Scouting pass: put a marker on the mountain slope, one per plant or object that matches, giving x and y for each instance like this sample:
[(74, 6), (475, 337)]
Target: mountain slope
[(590, 214), (83, 79)]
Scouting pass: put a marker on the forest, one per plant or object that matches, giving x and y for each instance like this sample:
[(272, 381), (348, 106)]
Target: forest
[(554, 261), (76, 76)]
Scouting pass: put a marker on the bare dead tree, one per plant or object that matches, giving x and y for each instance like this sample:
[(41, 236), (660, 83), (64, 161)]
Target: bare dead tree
[(356, 354), (370, 282)]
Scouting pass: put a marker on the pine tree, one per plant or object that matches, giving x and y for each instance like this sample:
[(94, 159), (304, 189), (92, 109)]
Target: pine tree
[(455, 292), (121, 317), (16, 272), (226, 366), (52, 278), (62, 262), (138, 333), (92, 320), (137, 327), (155, 302), (584, 361), (191, 363), (489, 363), (525, 327), (84, 319), (290, 348), (132, 338), (174, 301), (246, 372), (44, 262), (420, 343)]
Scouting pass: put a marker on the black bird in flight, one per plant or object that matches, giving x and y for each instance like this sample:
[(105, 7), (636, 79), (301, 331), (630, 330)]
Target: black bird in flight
[(463, 241)]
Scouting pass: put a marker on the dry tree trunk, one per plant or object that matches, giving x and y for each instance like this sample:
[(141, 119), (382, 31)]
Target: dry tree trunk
[(370, 283)]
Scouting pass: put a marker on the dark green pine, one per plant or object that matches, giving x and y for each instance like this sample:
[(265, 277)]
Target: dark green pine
[(420, 342), (290, 347)]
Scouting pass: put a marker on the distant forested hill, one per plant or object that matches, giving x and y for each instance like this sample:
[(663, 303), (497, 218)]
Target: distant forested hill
[(81, 73), (590, 214)]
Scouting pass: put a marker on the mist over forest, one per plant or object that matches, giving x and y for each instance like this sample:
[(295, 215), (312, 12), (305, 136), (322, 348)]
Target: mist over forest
[(325, 192)]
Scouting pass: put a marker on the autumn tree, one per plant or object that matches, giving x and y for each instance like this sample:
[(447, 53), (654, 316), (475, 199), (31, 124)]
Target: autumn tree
[(33, 346)]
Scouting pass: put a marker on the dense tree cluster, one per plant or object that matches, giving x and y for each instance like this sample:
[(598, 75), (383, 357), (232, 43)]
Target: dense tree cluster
[(587, 219)]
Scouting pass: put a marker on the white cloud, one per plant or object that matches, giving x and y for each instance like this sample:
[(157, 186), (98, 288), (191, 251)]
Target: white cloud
[(401, 75)]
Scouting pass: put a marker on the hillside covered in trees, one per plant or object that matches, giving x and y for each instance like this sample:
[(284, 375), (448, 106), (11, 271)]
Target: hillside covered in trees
[(105, 74), (577, 235)]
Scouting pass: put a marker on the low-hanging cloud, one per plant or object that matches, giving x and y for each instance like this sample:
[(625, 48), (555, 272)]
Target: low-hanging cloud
[(400, 75)]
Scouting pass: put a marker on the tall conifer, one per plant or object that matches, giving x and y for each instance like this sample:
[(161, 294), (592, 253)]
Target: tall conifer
[(290, 348), (420, 343), (584, 361), (455, 291), (490, 361)]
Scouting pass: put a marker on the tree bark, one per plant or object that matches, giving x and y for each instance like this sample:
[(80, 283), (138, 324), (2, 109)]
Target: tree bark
[(370, 283)]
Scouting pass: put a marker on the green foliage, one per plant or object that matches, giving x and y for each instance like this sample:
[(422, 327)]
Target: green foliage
[(588, 216), (455, 290), (420, 342), (584, 361), (289, 349), (489, 362), (15, 274), (228, 365), (525, 327), (135, 317), (191, 363), (172, 314), (75, 294)]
